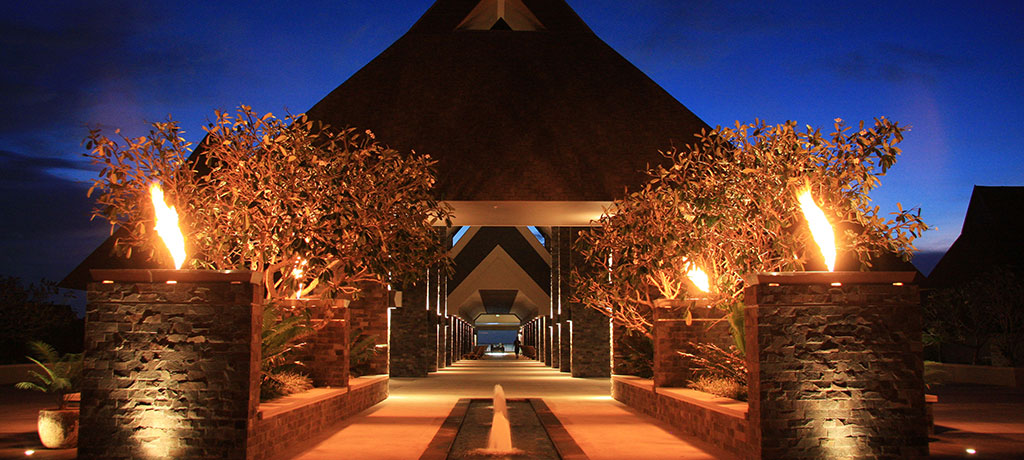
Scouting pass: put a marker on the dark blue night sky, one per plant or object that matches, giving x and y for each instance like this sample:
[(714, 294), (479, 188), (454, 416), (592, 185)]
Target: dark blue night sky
[(951, 70)]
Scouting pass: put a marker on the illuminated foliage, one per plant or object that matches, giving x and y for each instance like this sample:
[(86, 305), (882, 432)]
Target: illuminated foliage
[(728, 205), (316, 209)]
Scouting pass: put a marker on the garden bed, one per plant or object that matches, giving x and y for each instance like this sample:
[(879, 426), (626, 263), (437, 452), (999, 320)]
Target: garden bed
[(282, 424), (719, 421), (979, 375)]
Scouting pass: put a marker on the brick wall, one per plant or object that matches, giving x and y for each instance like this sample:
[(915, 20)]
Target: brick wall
[(284, 429), (672, 334), (591, 353), (718, 421), (836, 371), (591, 341), (368, 314), (619, 352), (170, 370), (326, 353), (411, 349)]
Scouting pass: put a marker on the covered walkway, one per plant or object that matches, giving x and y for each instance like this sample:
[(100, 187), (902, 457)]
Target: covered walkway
[(402, 426)]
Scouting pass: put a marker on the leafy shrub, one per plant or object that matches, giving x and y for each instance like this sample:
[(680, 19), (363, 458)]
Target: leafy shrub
[(32, 312), (362, 350), (638, 355)]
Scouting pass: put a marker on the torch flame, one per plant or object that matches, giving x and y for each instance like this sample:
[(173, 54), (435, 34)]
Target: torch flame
[(821, 230), (699, 279), (167, 226)]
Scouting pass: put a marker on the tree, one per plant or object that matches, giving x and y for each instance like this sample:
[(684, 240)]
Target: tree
[(984, 312), (728, 206), (317, 209), (31, 312)]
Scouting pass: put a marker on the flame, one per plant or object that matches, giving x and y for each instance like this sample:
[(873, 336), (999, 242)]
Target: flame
[(167, 226), (699, 279), (821, 230), (297, 272)]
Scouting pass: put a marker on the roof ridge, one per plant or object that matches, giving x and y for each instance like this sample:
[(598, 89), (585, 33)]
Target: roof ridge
[(445, 16)]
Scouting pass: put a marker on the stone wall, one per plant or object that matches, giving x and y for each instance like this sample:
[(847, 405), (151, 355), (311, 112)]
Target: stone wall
[(368, 314), (170, 370), (287, 425), (835, 371), (671, 334)]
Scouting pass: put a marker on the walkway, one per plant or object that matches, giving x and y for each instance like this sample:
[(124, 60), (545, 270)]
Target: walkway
[(402, 426)]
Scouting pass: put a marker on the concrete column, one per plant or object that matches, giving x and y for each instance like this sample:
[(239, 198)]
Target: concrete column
[(835, 367), (154, 353)]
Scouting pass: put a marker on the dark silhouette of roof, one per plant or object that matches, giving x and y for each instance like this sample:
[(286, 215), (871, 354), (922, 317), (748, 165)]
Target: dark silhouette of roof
[(553, 114), (990, 239)]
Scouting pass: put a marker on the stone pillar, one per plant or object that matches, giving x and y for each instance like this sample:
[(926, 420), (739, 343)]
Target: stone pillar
[(442, 341), (835, 365), (430, 349), (619, 351), (565, 310), (410, 335), (368, 316), (546, 332), (671, 334), (591, 340), (158, 344)]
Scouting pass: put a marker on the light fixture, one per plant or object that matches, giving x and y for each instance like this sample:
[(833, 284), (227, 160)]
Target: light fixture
[(971, 451)]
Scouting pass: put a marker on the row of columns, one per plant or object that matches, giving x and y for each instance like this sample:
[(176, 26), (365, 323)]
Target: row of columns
[(423, 337), (572, 338)]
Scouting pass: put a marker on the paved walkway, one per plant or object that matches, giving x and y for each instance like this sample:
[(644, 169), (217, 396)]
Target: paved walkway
[(402, 426)]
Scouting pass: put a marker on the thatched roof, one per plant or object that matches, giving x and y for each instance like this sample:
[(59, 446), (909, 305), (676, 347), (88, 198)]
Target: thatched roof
[(990, 238), (553, 114)]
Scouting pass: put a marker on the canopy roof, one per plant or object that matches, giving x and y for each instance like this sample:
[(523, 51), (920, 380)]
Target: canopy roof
[(545, 113)]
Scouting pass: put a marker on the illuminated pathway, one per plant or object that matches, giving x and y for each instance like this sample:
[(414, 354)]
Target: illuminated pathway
[(402, 426)]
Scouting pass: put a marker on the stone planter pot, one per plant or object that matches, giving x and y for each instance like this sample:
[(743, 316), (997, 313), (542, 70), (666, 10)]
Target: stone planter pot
[(58, 428)]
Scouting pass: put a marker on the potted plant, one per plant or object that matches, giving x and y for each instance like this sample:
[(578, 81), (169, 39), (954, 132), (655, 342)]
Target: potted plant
[(58, 428)]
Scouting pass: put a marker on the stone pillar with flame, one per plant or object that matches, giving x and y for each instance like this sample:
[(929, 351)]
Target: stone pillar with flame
[(835, 363), (158, 344)]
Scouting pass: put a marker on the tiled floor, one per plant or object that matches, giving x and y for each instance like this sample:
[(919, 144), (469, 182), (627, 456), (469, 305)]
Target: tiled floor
[(402, 426)]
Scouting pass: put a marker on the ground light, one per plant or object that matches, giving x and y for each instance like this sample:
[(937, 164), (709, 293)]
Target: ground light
[(29, 453), (970, 450)]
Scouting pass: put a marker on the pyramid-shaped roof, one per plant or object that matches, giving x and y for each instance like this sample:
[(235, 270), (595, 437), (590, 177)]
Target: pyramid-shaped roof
[(548, 112), (990, 238)]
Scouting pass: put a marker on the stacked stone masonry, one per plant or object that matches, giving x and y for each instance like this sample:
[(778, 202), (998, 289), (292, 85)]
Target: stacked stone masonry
[(170, 370), (836, 371)]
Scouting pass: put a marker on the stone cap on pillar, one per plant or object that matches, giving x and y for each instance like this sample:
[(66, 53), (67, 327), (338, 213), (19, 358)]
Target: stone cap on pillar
[(830, 278), (181, 276)]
